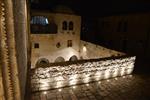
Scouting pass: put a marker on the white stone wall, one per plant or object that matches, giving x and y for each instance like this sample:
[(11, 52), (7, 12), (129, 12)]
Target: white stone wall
[(87, 50), (81, 72), (92, 51)]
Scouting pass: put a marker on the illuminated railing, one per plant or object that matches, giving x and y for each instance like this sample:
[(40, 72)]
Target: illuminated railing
[(76, 73)]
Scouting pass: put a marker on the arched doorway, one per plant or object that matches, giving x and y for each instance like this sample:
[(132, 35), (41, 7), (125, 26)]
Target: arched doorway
[(73, 58), (59, 59), (43, 62)]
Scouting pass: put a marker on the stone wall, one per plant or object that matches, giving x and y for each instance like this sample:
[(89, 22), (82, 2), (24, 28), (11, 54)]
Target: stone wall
[(87, 50), (92, 51), (57, 76), (132, 37)]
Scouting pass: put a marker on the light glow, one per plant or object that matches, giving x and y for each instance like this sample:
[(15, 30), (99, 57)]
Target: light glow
[(84, 49), (45, 92), (116, 78), (59, 84), (130, 76), (99, 82), (74, 87), (86, 79), (59, 90), (68, 75), (46, 21), (107, 74), (108, 80), (122, 71)]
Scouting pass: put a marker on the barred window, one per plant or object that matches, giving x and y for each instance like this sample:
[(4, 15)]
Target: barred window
[(69, 44), (40, 20), (36, 45)]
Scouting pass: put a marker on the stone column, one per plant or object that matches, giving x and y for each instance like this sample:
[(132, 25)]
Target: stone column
[(11, 46), (13, 49), (5, 68), (21, 38)]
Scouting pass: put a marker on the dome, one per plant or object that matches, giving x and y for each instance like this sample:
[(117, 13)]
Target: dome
[(63, 9)]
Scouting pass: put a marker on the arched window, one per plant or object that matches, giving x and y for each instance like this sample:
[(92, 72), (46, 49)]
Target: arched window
[(64, 26), (43, 62), (73, 58), (59, 59), (70, 25), (39, 20)]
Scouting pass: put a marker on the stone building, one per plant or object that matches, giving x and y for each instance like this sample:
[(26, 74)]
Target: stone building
[(55, 34), (128, 33), (55, 37)]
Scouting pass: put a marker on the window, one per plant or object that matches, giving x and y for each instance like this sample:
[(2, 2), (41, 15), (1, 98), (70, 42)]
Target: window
[(36, 45), (34, 1), (59, 59), (101, 26), (119, 27), (69, 43), (58, 45), (124, 45), (105, 26), (125, 27), (64, 26), (41, 24), (73, 58), (40, 20), (42, 62), (71, 25), (122, 27)]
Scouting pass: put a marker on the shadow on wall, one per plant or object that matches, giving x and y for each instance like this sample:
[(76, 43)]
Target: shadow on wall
[(141, 66)]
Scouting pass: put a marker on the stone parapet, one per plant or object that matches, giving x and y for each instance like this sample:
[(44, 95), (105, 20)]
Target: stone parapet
[(57, 76)]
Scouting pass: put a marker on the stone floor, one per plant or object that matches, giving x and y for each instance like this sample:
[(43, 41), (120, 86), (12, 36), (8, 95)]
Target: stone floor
[(131, 87)]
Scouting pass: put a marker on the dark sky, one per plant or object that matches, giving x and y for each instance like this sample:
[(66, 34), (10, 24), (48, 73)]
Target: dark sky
[(96, 7)]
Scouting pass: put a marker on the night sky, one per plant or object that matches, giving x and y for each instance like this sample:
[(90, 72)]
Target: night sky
[(96, 8)]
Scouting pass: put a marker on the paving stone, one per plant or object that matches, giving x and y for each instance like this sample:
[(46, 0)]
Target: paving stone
[(135, 88)]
